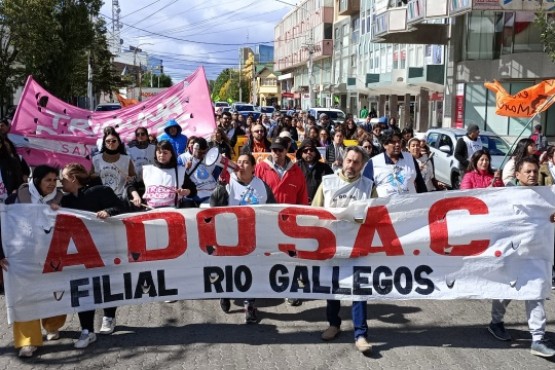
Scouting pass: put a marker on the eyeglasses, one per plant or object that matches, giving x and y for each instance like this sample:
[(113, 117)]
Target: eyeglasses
[(277, 150), (257, 131), (308, 150), (141, 134), (110, 141)]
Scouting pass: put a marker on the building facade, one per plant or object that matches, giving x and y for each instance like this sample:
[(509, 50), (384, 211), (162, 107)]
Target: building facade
[(303, 48)]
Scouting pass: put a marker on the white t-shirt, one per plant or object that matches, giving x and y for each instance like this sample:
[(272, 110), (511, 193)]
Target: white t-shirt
[(113, 174), (161, 184), (141, 157)]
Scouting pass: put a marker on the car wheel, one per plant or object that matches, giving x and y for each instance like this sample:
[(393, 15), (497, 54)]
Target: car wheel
[(455, 180)]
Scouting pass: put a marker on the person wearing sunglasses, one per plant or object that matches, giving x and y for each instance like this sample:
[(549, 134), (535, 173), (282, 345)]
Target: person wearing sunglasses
[(257, 143), (141, 152), (308, 160), (115, 168)]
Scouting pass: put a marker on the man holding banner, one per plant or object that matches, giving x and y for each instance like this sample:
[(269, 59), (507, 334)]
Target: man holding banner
[(338, 191), (526, 173)]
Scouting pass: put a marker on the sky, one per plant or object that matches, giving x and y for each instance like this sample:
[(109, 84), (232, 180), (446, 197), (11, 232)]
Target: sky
[(188, 33)]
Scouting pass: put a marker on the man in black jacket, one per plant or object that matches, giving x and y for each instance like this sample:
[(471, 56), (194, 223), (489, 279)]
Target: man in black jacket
[(308, 159)]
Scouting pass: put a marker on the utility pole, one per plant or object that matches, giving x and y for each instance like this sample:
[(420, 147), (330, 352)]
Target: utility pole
[(240, 73), (90, 74)]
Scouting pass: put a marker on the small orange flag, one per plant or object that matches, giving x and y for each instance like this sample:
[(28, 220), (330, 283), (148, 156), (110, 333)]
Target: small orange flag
[(126, 102), (525, 103)]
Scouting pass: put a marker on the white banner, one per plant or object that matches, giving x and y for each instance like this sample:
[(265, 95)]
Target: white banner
[(494, 243)]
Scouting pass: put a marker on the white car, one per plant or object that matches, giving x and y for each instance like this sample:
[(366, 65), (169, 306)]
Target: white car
[(442, 143), (336, 115)]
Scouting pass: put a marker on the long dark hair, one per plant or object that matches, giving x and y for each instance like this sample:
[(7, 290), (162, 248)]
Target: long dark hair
[(112, 131), (165, 145), (521, 149), (473, 165)]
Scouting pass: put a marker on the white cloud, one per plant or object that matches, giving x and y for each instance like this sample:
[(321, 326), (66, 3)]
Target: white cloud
[(168, 24)]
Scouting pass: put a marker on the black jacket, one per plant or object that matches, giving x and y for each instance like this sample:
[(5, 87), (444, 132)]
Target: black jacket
[(94, 199), (313, 176)]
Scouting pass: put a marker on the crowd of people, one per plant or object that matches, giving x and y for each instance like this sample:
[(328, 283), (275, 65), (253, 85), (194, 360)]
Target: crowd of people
[(171, 171)]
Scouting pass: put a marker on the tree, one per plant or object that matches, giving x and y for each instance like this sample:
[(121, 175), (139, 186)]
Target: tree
[(10, 74), (54, 38), (163, 80), (547, 33), (226, 86)]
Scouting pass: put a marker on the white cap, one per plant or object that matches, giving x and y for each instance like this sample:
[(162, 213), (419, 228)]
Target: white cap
[(285, 134)]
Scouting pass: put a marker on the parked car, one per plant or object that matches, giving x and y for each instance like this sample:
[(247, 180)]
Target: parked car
[(245, 109), (219, 106), (267, 110), (106, 107), (336, 115), (442, 143)]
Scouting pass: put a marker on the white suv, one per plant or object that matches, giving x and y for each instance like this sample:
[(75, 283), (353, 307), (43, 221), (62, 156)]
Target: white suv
[(442, 143)]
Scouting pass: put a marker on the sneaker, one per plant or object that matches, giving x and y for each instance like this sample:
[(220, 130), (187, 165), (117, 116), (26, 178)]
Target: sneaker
[(85, 339), (331, 333), (108, 325), (27, 351), (542, 348), (250, 314), (225, 304), (294, 302), (499, 332), (362, 345), (170, 301), (55, 335)]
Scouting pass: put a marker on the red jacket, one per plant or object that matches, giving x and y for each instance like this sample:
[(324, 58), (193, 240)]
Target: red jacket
[(476, 180), (291, 188)]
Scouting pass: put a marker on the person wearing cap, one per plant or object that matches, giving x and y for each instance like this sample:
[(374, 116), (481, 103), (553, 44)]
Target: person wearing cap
[(285, 179), (172, 133), (291, 144), (308, 159), (325, 122), (339, 190), (468, 145)]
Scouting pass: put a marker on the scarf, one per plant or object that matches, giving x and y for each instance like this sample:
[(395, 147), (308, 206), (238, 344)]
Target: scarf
[(36, 198)]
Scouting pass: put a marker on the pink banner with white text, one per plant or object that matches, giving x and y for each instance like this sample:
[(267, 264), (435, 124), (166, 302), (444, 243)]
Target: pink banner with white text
[(47, 130)]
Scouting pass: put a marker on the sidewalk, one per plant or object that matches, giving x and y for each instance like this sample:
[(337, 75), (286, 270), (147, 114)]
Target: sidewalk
[(198, 335)]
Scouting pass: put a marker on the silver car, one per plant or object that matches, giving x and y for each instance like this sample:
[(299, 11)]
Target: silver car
[(442, 143)]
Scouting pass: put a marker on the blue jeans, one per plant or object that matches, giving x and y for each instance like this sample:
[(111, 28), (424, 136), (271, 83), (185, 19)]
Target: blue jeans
[(358, 312)]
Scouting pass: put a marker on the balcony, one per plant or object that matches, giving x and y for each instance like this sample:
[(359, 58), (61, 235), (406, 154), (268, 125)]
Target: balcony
[(349, 7)]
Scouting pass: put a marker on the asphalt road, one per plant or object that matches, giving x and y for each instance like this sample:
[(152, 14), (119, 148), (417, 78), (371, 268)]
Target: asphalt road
[(198, 335)]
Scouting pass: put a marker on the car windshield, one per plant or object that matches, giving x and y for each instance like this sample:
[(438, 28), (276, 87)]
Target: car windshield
[(221, 104), (334, 116), (494, 144), (267, 109), (244, 108)]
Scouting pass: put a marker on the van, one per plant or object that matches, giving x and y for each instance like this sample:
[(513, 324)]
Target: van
[(336, 115)]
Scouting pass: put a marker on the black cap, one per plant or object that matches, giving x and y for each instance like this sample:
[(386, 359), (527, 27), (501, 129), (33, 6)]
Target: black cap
[(279, 143)]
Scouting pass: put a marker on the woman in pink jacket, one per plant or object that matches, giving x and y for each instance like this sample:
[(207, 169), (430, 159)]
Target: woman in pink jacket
[(480, 174)]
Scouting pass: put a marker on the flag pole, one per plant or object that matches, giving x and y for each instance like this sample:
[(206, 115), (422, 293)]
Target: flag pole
[(538, 110)]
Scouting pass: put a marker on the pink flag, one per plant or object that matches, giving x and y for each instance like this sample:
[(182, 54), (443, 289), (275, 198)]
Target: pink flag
[(47, 130)]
